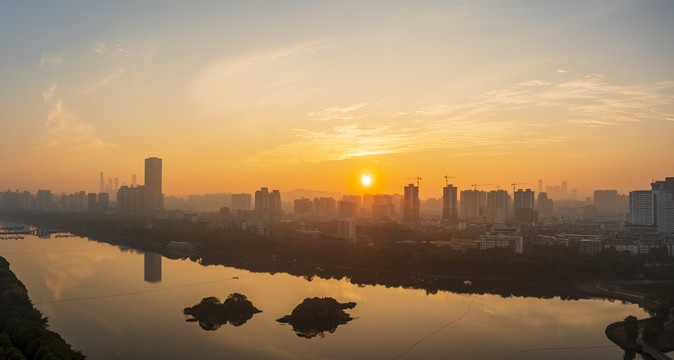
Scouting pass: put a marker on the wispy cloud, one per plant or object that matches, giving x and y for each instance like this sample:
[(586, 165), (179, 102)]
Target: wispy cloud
[(51, 59), (99, 47), (492, 120), (65, 136), (256, 80)]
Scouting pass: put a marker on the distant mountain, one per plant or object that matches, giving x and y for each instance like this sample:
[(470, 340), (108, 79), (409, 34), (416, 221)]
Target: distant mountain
[(309, 194)]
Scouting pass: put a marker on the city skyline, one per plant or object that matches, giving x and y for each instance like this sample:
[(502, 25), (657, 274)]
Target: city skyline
[(306, 95)]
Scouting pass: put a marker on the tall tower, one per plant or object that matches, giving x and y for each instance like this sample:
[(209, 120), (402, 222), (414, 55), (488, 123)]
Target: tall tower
[(449, 203), (411, 205), (154, 198), (102, 183)]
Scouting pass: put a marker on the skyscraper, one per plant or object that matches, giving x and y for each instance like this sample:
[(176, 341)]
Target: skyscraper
[(473, 203), (102, 183), (154, 198), (411, 204), (524, 206), (449, 203)]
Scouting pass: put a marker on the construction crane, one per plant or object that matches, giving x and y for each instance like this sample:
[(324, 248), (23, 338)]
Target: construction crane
[(476, 185), (447, 179), (515, 184), (416, 178)]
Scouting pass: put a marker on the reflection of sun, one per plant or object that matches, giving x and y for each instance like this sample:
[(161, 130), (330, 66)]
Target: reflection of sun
[(366, 180)]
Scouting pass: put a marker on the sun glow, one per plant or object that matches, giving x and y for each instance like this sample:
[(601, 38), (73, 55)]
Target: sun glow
[(366, 180)]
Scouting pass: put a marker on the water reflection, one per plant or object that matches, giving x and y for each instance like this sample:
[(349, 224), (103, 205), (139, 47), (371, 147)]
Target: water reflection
[(152, 267)]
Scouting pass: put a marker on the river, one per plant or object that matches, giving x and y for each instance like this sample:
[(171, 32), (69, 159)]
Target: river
[(114, 303)]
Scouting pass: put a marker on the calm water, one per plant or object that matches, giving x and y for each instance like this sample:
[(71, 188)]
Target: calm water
[(123, 304)]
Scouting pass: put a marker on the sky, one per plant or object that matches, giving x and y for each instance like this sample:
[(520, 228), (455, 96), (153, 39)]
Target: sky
[(235, 95)]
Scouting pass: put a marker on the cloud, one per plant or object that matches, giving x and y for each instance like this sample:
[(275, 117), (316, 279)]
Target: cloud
[(48, 94), (99, 47), (66, 137), (562, 71), (526, 115), (110, 78), (51, 59), (337, 112), (282, 77)]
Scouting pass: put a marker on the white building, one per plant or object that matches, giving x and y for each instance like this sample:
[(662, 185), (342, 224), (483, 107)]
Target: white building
[(501, 236)]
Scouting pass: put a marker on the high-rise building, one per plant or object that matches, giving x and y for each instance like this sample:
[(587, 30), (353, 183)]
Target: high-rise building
[(347, 209), (103, 202), (449, 202), (268, 205), (641, 207), (303, 207), (133, 180), (92, 203), (154, 198), (540, 186), (411, 204), (241, 202), (498, 204), (605, 201), (324, 207), (43, 200), (382, 207), (102, 180), (663, 205), (545, 206), (473, 203), (346, 228), (524, 206)]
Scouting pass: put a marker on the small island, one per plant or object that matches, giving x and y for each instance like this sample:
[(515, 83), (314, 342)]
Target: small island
[(315, 316), (652, 336), (211, 314)]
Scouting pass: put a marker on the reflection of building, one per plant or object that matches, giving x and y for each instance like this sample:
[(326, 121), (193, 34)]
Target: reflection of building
[(152, 267)]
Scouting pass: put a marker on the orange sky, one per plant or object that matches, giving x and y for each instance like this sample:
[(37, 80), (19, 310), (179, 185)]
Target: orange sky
[(235, 97)]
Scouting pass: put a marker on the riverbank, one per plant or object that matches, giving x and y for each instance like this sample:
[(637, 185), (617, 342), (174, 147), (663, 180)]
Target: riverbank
[(24, 333)]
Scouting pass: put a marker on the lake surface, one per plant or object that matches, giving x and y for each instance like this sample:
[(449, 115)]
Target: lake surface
[(114, 303)]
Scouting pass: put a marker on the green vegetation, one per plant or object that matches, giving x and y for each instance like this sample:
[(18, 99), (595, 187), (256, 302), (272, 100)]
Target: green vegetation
[(658, 330), (211, 314), (24, 331), (314, 316)]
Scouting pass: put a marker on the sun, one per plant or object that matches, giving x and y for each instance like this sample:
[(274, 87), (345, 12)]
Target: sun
[(366, 180)]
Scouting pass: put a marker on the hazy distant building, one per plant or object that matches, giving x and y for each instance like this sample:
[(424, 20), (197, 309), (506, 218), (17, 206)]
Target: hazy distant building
[(347, 209), (544, 205), (523, 201), (303, 207), (498, 206), (241, 202), (268, 205), (382, 208), (154, 198), (103, 202), (102, 181), (472, 204), (15, 200), (131, 200), (92, 202), (411, 205), (43, 200), (325, 207), (449, 203), (606, 201)]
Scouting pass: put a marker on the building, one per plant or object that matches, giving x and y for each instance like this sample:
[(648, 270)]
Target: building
[(544, 205), (606, 201), (92, 202), (346, 228), (524, 206), (498, 206), (325, 207), (131, 200), (268, 205), (472, 204), (449, 203), (501, 236), (347, 209), (303, 207), (241, 202), (382, 208), (103, 202), (642, 211), (152, 267), (43, 200), (154, 198), (410, 207)]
